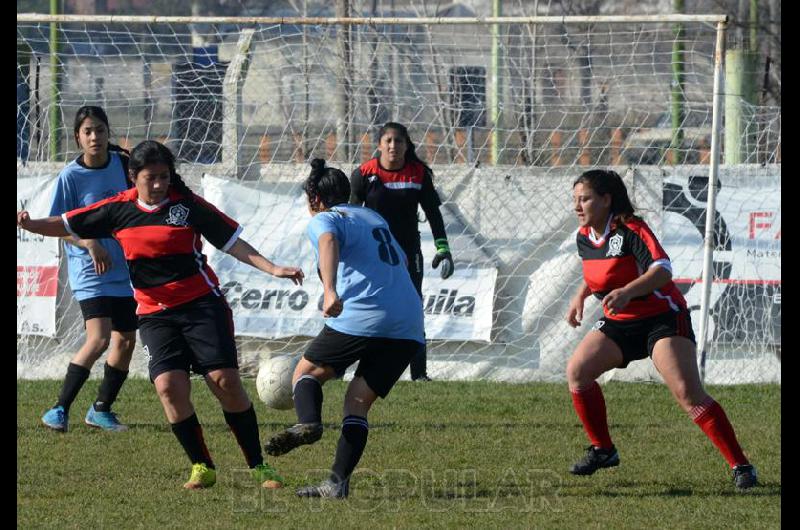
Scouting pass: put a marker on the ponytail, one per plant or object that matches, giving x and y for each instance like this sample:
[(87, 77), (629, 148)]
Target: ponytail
[(328, 184)]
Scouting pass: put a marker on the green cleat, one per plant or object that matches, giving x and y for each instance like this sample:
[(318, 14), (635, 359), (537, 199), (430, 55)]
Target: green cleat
[(202, 477), (267, 477)]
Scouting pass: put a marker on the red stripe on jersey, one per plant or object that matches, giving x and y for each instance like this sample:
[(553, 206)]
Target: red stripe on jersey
[(155, 241), (608, 274), (177, 292), (412, 172), (641, 229), (123, 196), (37, 280), (671, 299)]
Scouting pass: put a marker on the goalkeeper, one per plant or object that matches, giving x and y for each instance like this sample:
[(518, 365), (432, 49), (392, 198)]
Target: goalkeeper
[(394, 184)]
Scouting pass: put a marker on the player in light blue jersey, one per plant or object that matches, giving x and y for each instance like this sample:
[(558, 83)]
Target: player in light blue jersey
[(98, 275), (373, 317)]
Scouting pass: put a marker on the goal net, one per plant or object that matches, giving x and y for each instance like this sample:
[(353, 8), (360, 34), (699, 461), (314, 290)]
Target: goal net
[(506, 114)]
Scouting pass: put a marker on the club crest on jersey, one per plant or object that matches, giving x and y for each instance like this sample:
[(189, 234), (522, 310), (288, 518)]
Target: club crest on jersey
[(615, 245), (599, 324), (178, 215)]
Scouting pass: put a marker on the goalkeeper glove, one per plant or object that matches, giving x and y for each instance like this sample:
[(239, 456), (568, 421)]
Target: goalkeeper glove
[(444, 257)]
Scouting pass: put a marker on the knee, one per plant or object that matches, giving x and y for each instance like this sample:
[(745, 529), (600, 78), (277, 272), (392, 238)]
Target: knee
[(577, 374), (125, 345), (168, 392), (687, 396), (95, 346), (227, 384)]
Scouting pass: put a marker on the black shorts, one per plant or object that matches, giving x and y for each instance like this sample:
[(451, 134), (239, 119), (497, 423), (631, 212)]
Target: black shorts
[(636, 338), (195, 336), (120, 309), (381, 361)]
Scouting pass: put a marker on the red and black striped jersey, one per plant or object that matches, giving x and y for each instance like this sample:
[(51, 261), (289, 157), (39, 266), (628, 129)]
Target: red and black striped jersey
[(395, 195), (623, 254), (161, 243)]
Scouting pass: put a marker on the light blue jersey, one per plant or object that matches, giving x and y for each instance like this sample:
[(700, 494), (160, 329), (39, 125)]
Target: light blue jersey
[(372, 280), (79, 186)]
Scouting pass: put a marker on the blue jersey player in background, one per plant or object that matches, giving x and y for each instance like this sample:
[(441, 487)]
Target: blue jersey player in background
[(373, 316), (98, 275)]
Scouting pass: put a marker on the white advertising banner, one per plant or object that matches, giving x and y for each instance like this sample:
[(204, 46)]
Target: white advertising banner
[(274, 222), (37, 262), (746, 293)]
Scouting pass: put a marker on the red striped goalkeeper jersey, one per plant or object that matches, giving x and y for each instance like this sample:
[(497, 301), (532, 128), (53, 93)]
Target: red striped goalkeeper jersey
[(624, 253), (161, 243), (395, 194)]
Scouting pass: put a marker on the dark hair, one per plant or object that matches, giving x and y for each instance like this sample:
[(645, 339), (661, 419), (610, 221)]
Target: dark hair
[(411, 151), (328, 183), (607, 182), (152, 152), (92, 111)]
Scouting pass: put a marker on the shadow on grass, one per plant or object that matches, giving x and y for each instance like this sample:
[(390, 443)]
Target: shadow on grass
[(645, 489)]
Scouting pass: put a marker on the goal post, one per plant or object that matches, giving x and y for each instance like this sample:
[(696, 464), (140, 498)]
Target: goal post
[(245, 102)]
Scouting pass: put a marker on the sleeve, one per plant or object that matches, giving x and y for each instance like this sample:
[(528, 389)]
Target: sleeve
[(645, 248), (64, 198), (358, 194), (323, 223), (430, 202), (219, 229), (91, 222)]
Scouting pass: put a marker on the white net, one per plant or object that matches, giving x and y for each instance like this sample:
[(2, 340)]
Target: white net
[(248, 104)]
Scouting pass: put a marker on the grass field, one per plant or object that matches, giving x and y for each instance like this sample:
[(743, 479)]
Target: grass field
[(442, 454)]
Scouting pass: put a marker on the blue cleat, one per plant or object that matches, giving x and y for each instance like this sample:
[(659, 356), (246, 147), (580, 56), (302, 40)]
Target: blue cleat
[(56, 419), (104, 420)]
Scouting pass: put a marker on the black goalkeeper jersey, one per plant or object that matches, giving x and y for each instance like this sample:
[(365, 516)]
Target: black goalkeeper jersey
[(396, 195)]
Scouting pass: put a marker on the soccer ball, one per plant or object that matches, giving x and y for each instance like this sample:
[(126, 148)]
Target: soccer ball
[(274, 381)]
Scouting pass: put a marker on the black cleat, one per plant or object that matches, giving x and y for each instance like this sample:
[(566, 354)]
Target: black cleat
[(295, 436), (424, 378), (744, 476), (595, 459), (328, 490)]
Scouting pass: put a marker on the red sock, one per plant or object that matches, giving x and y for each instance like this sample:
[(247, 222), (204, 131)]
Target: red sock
[(710, 417), (591, 409)]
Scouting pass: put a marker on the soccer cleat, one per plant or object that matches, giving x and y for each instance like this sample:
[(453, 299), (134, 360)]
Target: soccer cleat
[(424, 378), (595, 459), (744, 476), (202, 477), (267, 477), (57, 419), (295, 436), (104, 420), (328, 490)]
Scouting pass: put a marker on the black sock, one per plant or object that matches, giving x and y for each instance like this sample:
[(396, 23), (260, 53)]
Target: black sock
[(307, 395), (419, 362), (245, 428), (190, 435), (73, 382), (351, 446), (109, 388)]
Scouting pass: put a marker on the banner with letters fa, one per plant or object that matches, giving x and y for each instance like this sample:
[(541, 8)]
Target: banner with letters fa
[(746, 292), (37, 262), (274, 222)]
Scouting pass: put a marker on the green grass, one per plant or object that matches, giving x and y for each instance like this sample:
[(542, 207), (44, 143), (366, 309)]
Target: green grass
[(442, 454)]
